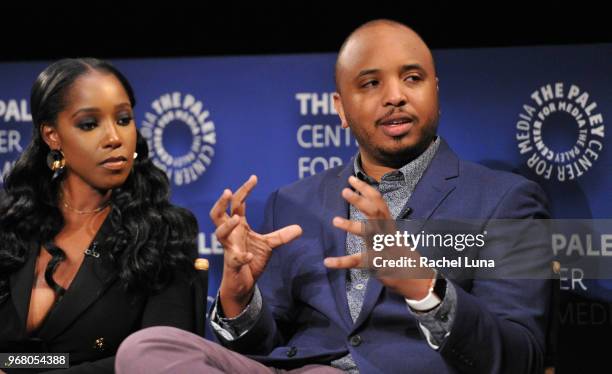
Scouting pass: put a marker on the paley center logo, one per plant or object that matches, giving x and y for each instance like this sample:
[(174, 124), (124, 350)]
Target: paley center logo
[(181, 136), (560, 131)]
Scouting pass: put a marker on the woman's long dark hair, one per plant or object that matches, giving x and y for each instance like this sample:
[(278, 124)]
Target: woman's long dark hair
[(149, 239)]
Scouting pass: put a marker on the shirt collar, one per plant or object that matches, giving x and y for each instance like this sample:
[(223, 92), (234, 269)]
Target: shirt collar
[(410, 171)]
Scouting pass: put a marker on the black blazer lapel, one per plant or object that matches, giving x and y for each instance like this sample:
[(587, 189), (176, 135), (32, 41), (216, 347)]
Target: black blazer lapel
[(91, 281), (431, 190), (21, 283)]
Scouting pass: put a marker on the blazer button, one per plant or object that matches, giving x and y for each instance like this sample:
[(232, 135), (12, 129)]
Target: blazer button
[(444, 317), (355, 340), (99, 344), (291, 352), (407, 211)]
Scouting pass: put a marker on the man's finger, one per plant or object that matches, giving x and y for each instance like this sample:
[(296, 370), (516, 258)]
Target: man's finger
[(241, 209), (364, 188), (218, 213), (241, 194), (344, 262), (223, 231), (354, 227), (372, 195), (367, 207), (283, 236)]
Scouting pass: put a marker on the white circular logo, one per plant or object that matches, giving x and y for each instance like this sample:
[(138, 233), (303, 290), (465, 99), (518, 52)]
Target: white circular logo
[(181, 136), (561, 131)]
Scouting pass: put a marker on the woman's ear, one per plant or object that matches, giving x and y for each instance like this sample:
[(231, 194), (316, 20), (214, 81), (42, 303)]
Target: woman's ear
[(50, 136)]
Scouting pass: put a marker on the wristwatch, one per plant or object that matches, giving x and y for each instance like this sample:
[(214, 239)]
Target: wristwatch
[(434, 297)]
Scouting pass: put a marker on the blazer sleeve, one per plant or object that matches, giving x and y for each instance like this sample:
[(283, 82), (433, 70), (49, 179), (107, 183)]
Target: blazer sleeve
[(500, 324)]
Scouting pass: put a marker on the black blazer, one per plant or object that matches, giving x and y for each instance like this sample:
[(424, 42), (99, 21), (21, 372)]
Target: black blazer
[(93, 317)]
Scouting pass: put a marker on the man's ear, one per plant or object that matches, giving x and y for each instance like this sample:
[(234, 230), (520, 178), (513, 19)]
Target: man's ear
[(50, 136), (340, 109)]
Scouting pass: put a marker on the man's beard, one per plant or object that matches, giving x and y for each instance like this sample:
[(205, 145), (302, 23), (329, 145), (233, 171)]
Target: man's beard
[(397, 158)]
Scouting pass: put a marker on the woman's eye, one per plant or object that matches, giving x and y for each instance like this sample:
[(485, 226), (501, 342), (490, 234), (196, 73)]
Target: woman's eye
[(124, 120), (87, 125)]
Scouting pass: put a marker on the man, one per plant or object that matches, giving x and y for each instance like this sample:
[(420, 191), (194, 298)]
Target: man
[(307, 305)]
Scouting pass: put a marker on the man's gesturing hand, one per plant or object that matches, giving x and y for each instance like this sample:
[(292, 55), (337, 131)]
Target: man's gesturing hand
[(246, 252), (410, 283)]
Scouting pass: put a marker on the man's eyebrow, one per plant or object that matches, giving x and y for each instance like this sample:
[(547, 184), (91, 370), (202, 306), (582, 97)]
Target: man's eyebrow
[(403, 69), (366, 72), (409, 67)]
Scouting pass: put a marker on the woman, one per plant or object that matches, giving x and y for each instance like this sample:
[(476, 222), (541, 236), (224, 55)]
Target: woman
[(91, 250)]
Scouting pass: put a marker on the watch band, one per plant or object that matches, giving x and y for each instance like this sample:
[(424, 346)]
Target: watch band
[(434, 296), (427, 303)]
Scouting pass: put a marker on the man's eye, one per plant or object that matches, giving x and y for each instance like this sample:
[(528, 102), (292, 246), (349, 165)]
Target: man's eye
[(371, 83), (124, 120), (413, 78), (87, 125)]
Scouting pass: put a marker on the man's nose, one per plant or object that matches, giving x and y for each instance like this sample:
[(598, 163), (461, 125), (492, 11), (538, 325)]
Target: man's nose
[(394, 94)]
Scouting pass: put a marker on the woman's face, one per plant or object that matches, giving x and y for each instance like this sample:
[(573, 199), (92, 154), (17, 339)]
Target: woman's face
[(96, 131)]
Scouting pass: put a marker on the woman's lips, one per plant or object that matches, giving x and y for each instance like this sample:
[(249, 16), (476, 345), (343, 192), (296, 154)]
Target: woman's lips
[(114, 163)]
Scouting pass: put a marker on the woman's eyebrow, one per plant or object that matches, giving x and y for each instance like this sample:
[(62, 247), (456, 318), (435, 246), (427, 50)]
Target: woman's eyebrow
[(85, 110)]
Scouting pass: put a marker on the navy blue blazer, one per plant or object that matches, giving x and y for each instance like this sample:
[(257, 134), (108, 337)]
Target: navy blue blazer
[(499, 325)]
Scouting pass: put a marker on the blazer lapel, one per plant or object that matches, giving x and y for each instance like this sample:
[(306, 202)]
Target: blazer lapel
[(92, 279), (334, 239), (435, 185), (431, 190), (21, 283)]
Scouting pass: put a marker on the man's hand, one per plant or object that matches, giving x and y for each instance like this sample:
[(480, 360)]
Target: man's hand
[(412, 284), (246, 252)]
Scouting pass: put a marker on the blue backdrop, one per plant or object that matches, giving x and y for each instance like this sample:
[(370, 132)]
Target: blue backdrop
[(211, 122)]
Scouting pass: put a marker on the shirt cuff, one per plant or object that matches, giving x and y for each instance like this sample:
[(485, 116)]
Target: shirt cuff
[(436, 324), (233, 328)]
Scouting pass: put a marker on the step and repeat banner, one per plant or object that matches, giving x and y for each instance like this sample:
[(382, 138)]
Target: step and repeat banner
[(211, 122)]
